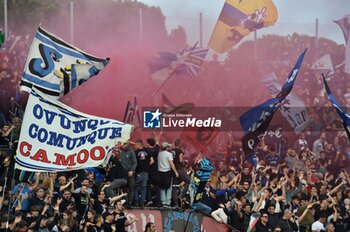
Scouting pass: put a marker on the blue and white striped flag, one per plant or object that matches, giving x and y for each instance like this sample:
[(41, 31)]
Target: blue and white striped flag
[(56, 67)]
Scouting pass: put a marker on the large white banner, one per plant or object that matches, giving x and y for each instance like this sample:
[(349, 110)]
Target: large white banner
[(293, 108), (55, 137)]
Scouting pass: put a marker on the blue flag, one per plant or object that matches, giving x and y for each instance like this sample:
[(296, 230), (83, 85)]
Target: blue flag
[(255, 121), (342, 113)]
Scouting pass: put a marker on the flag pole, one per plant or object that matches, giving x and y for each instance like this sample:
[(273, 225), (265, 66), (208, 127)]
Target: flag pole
[(316, 37), (13, 205), (255, 45), (140, 26), (201, 29), (316, 33), (9, 204), (11, 136), (188, 219), (5, 19), (5, 183), (72, 21)]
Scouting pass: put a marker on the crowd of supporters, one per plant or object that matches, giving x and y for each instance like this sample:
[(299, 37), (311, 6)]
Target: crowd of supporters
[(293, 184), (13, 54), (305, 189)]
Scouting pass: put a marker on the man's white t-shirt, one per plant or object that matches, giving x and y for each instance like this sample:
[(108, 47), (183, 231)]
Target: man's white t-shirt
[(317, 226), (163, 161)]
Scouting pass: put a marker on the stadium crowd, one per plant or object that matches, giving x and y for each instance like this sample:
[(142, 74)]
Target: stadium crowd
[(305, 189), (304, 186)]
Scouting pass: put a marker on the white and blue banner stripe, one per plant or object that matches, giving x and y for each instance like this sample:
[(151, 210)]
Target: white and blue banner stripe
[(56, 67)]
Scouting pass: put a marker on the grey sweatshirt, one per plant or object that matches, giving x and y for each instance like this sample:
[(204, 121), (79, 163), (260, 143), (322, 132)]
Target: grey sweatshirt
[(128, 160)]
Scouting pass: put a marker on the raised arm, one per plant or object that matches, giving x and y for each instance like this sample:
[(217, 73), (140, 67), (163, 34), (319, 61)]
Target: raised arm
[(36, 184), (51, 187), (335, 214), (6, 133), (128, 223), (157, 138), (233, 181), (104, 187), (336, 188), (309, 206), (70, 182), (261, 200), (115, 198)]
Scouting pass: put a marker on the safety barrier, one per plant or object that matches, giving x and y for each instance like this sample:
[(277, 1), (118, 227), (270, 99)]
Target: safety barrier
[(174, 221)]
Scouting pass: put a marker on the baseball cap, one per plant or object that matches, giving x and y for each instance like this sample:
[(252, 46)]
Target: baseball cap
[(166, 144), (347, 201), (347, 95)]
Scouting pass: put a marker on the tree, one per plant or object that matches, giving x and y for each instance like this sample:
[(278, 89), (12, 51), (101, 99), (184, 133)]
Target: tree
[(23, 16), (178, 39)]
